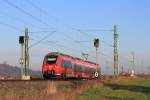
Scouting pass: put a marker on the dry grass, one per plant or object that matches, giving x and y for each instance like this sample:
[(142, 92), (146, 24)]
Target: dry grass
[(44, 90), (57, 90)]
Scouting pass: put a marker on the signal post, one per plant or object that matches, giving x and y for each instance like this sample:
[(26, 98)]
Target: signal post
[(98, 70), (24, 60)]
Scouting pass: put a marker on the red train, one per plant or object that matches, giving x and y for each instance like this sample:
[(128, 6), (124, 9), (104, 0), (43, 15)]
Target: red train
[(58, 65)]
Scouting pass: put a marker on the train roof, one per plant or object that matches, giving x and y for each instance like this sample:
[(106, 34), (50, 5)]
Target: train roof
[(58, 53)]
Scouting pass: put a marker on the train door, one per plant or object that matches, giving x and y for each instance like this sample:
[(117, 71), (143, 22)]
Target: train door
[(74, 69)]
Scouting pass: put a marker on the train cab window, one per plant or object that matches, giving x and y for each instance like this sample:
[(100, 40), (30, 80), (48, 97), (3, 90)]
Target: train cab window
[(51, 59)]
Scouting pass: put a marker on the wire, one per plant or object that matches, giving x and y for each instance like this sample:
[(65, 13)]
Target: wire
[(25, 12), (42, 39), (102, 53), (44, 12), (37, 19), (41, 31), (98, 30), (20, 20), (72, 39), (83, 41), (39, 9), (92, 40), (59, 45), (47, 14), (35, 6), (108, 44), (87, 34), (10, 26), (71, 50)]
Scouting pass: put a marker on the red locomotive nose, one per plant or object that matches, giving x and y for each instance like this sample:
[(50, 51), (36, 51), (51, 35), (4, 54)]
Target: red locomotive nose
[(49, 67)]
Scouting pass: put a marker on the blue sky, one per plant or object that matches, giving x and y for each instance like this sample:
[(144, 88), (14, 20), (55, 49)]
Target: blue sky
[(64, 17)]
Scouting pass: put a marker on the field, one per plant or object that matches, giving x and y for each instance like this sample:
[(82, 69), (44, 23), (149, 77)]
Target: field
[(43, 89), (121, 88)]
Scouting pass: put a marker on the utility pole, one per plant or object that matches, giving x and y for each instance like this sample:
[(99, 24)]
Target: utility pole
[(115, 51), (133, 63), (142, 71), (122, 72), (149, 69), (23, 40)]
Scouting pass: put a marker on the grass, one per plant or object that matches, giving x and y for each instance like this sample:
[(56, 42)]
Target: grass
[(120, 89), (34, 90), (43, 90)]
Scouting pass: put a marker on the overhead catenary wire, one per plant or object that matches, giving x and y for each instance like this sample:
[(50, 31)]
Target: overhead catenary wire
[(83, 41), (10, 26), (72, 28), (86, 46), (103, 57), (22, 10), (81, 32), (97, 30), (69, 49), (108, 44), (45, 37), (40, 9), (60, 45), (27, 13), (89, 35), (44, 12), (73, 40), (34, 36), (31, 39), (102, 53), (20, 20), (41, 31), (54, 42)]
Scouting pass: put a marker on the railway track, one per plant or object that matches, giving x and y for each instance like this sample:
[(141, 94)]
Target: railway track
[(41, 80), (58, 79)]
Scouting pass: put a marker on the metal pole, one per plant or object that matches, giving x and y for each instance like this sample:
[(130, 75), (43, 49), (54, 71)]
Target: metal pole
[(96, 60), (133, 57), (133, 64), (26, 56), (21, 59), (122, 70), (142, 72), (149, 69), (115, 51), (96, 45)]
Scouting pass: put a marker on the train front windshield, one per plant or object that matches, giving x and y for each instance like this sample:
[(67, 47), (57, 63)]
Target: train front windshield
[(51, 59)]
